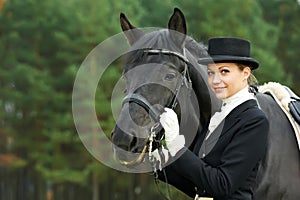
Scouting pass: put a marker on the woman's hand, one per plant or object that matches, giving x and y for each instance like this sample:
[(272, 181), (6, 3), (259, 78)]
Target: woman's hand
[(169, 122)]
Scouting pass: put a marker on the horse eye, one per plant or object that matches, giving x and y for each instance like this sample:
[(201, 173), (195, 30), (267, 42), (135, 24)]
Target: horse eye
[(170, 76)]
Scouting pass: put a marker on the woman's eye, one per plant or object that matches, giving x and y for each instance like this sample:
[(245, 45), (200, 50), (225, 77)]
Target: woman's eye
[(225, 71), (170, 76), (210, 73)]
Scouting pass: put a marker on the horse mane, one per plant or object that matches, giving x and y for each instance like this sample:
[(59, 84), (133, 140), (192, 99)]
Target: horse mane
[(197, 49)]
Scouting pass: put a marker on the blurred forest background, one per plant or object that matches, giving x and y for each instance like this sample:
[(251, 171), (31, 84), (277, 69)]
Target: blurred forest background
[(43, 43)]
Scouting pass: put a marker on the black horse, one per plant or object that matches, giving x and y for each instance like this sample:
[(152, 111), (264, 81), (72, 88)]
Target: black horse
[(162, 71)]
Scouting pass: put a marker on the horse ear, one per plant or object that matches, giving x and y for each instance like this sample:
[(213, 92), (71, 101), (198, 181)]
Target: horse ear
[(132, 33), (178, 24)]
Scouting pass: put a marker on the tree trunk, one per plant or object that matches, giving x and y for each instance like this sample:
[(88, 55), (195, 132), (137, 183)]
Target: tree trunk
[(95, 186), (49, 192)]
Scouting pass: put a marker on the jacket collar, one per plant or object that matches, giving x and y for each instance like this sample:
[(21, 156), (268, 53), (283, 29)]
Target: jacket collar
[(234, 115)]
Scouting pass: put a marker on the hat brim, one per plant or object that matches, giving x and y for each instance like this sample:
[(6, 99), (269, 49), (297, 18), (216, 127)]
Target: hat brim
[(252, 63)]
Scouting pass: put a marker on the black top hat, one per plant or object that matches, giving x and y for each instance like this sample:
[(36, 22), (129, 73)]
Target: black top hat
[(229, 49)]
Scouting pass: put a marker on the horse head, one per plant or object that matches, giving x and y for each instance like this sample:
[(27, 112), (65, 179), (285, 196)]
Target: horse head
[(161, 70)]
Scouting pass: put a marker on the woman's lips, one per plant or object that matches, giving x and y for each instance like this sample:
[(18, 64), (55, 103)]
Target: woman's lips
[(219, 89)]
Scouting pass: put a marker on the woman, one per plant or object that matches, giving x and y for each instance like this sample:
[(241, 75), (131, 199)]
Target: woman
[(224, 162)]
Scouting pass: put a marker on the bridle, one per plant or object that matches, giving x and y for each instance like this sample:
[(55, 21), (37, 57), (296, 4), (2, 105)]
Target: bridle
[(185, 80), (155, 113)]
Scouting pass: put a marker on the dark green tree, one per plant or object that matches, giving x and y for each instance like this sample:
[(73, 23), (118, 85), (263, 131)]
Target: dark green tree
[(40, 55), (286, 15)]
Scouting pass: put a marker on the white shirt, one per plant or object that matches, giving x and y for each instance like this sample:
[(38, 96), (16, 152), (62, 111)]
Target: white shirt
[(227, 106)]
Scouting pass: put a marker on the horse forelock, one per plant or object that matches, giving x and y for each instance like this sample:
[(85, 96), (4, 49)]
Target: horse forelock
[(159, 40)]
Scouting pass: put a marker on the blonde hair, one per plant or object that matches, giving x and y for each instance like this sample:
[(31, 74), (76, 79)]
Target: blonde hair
[(251, 79)]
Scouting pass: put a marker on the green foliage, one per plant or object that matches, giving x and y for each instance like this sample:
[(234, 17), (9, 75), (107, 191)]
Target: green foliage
[(41, 55), (286, 15)]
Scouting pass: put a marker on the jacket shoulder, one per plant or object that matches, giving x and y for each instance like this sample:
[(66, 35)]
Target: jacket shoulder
[(252, 109), (249, 108)]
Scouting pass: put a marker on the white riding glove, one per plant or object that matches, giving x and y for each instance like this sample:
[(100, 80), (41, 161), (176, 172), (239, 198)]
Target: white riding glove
[(169, 122)]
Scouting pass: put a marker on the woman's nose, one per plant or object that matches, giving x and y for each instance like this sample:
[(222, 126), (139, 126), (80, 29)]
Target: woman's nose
[(216, 78)]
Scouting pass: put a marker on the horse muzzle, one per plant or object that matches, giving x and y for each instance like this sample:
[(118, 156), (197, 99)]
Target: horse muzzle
[(131, 159)]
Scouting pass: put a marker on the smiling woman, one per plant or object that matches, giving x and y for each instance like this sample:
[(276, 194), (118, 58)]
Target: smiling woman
[(227, 163), (226, 79)]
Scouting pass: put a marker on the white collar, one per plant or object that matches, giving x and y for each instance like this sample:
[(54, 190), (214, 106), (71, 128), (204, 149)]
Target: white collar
[(237, 98)]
